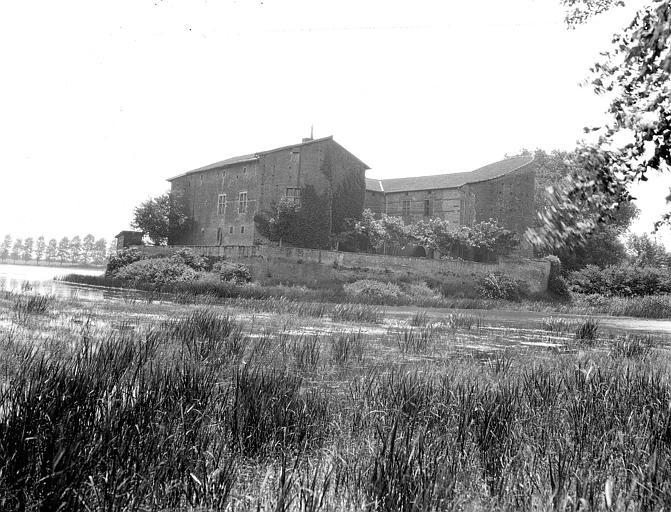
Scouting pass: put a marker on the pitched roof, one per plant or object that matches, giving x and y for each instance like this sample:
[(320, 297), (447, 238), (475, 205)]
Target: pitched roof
[(374, 185), (255, 156), (453, 180)]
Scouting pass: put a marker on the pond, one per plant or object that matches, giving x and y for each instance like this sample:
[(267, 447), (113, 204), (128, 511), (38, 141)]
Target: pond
[(41, 279)]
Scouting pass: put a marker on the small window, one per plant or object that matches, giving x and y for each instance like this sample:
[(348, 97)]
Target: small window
[(201, 178), (293, 195), (242, 202), (244, 170), (427, 207), (223, 179), (230, 229), (242, 229), (221, 204), (219, 236), (405, 207)]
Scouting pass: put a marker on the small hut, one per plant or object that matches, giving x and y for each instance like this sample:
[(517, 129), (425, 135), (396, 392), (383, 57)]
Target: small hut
[(127, 239)]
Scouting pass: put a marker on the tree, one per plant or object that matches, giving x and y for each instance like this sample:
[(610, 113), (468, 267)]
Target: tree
[(39, 249), (64, 249), (76, 249), (17, 249), (643, 251), (88, 248), (100, 250), (635, 73), (600, 244), (161, 218), (387, 232), (52, 250), (280, 223), (28, 249), (5, 247)]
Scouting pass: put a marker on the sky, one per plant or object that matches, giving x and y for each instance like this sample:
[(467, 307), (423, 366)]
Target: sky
[(101, 102)]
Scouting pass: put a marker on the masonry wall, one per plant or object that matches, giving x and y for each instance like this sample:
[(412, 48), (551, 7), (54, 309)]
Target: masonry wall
[(374, 201), (457, 274), (509, 199), (201, 191), (442, 203)]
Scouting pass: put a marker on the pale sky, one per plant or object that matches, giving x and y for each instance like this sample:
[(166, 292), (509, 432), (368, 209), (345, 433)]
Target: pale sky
[(101, 102)]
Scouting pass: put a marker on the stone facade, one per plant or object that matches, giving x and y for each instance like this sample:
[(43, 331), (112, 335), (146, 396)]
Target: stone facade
[(503, 191), (222, 198)]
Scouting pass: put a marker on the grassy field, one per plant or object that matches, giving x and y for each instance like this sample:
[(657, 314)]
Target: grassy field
[(275, 404)]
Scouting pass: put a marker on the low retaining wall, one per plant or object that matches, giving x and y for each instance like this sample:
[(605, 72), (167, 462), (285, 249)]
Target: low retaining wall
[(459, 274)]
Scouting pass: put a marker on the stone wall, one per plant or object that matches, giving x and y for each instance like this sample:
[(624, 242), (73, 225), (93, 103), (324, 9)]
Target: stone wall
[(459, 274)]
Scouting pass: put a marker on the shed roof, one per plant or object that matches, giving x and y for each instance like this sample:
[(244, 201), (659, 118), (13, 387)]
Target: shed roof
[(453, 180), (255, 156)]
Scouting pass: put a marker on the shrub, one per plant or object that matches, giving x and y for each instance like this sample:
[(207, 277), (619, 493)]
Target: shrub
[(158, 271), (374, 290), (233, 272), (556, 283), (620, 280), (190, 259), (122, 259), (495, 285)]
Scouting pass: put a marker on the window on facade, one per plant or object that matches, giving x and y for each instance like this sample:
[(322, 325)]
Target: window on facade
[(294, 196), (427, 207), (219, 236), (242, 229), (221, 204), (230, 229), (242, 202), (405, 207)]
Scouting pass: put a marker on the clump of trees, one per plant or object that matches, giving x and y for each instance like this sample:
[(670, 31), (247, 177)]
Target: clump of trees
[(484, 241), (78, 250), (306, 225), (161, 218)]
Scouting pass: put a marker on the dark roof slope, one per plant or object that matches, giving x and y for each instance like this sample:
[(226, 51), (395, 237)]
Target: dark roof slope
[(255, 156), (374, 185), (453, 180)]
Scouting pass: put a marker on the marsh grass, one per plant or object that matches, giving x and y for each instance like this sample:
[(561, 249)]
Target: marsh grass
[(360, 313), (587, 330), (463, 321), (419, 319), (162, 417), (418, 340), (347, 347), (26, 305), (306, 351), (632, 346), (558, 325)]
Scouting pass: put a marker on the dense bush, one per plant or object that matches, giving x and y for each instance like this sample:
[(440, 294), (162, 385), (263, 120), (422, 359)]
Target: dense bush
[(158, 271), (620, 280), (495, 285), (233, 272), (374, 289), (121, 259), (190, 259), (557, 285)]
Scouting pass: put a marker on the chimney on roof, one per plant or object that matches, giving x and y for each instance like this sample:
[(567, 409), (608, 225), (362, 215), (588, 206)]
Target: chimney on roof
[(311, 137)]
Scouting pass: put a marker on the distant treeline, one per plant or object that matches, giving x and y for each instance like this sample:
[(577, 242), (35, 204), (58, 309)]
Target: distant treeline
[(87, 250)]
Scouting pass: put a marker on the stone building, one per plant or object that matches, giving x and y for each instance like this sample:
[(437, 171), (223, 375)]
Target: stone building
[(222, 198), (503, 191)]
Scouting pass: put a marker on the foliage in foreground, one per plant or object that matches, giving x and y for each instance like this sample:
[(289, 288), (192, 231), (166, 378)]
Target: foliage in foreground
[(168, 417)]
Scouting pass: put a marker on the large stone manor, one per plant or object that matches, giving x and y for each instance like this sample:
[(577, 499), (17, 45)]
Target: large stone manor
[(222, 198)]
